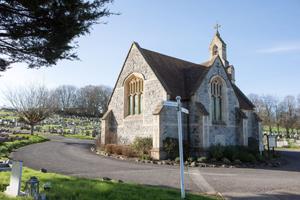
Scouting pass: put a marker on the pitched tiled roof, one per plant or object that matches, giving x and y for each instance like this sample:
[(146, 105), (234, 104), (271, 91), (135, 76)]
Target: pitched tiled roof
[(181, 78), (201, 108), (244, 102), (241, 114), (177, 76)]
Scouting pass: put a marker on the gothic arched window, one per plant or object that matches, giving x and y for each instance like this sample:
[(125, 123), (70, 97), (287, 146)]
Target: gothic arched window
[(217, 100), (135, 87), (215, 50)]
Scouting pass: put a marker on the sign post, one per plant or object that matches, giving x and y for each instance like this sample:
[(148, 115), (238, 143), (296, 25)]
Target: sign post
[(177, 104)]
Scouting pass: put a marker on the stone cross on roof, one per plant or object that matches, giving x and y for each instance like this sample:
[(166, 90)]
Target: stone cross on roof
[(217, 26)]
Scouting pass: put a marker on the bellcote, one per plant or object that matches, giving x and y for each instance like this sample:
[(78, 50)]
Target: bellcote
[(218, 47)]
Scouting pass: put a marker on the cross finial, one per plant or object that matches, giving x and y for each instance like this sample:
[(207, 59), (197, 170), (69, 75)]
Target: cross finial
[(217, 26)]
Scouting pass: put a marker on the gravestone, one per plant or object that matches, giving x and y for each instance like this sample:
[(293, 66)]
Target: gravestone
[(15, 179)]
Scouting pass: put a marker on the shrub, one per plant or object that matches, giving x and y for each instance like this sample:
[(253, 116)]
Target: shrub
[(177, 160), (128, 151), (145, 157), (246, 157), (117, 149), (142, 145), (260, 158), (230, 152), (171, 147), (202, 159), (109, 148), (124, 150), (226, 161), (237, 162), (191, 159), (216, 152), (3, 150)]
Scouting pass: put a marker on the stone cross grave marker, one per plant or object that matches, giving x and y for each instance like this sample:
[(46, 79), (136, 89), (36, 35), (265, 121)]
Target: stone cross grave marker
[(15, 179)]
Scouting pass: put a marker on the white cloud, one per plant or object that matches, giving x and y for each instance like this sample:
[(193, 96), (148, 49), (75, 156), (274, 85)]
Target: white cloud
[(281, 48)]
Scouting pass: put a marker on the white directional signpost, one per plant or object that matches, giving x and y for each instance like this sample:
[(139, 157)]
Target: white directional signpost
[(177, 104)]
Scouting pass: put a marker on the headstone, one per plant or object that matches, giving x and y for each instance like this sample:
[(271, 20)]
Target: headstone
[(15, 179), (272, 141)]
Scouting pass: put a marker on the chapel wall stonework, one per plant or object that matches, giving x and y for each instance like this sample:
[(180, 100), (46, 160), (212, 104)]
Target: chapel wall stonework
[(159, 122), (196, 127), (253, 125), (225, 134), (144, 124)]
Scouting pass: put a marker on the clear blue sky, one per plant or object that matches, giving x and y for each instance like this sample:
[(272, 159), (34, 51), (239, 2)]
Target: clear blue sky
[(263, 43)]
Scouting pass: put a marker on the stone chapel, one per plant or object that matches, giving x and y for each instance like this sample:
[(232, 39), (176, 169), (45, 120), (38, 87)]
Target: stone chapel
[(220, 113)]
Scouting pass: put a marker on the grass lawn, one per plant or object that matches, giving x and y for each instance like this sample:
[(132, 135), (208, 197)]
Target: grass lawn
[(289, 148), (7, 147), (71, 188), (79, 136)]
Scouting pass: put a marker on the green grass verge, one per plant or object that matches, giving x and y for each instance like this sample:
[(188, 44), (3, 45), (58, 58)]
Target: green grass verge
[(78, 136), (72, 188), (7, 147)]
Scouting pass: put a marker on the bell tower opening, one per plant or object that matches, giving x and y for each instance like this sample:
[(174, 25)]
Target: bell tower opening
[(218, 47)]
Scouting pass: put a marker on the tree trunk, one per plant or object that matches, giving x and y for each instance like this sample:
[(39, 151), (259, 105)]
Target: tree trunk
[(287, 132), (31, 129), (278, 128), (270, 129)]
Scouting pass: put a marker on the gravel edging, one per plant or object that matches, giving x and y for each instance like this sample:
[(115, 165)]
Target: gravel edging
[(266, 164)]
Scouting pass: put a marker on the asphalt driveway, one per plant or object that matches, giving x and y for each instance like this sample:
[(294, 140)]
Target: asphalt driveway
[(73, 157)]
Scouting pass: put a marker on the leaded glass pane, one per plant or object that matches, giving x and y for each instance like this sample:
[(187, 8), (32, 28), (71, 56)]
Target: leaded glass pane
[(136, 104), (141, 103)]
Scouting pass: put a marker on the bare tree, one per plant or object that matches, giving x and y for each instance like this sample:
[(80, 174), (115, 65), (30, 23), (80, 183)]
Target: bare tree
[(257, 101), (297, 124), (264, 108), (278, 110), (268, 103), (92, 100), (65, 96), (33, 104), (288, 116)]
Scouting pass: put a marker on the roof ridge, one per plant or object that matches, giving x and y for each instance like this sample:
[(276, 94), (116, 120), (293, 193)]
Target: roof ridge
[(171, 56)]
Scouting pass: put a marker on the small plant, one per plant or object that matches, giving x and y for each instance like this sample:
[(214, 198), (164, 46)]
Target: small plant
[(145, 157), (191, 159), (216, 152), (142, 145), (128, 151), (237, 162), (109, 148), (231, 152), (177, 160), (226, 161), (260, 158), (117, 149), (202, 159), (171, 147), (246, 157)]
